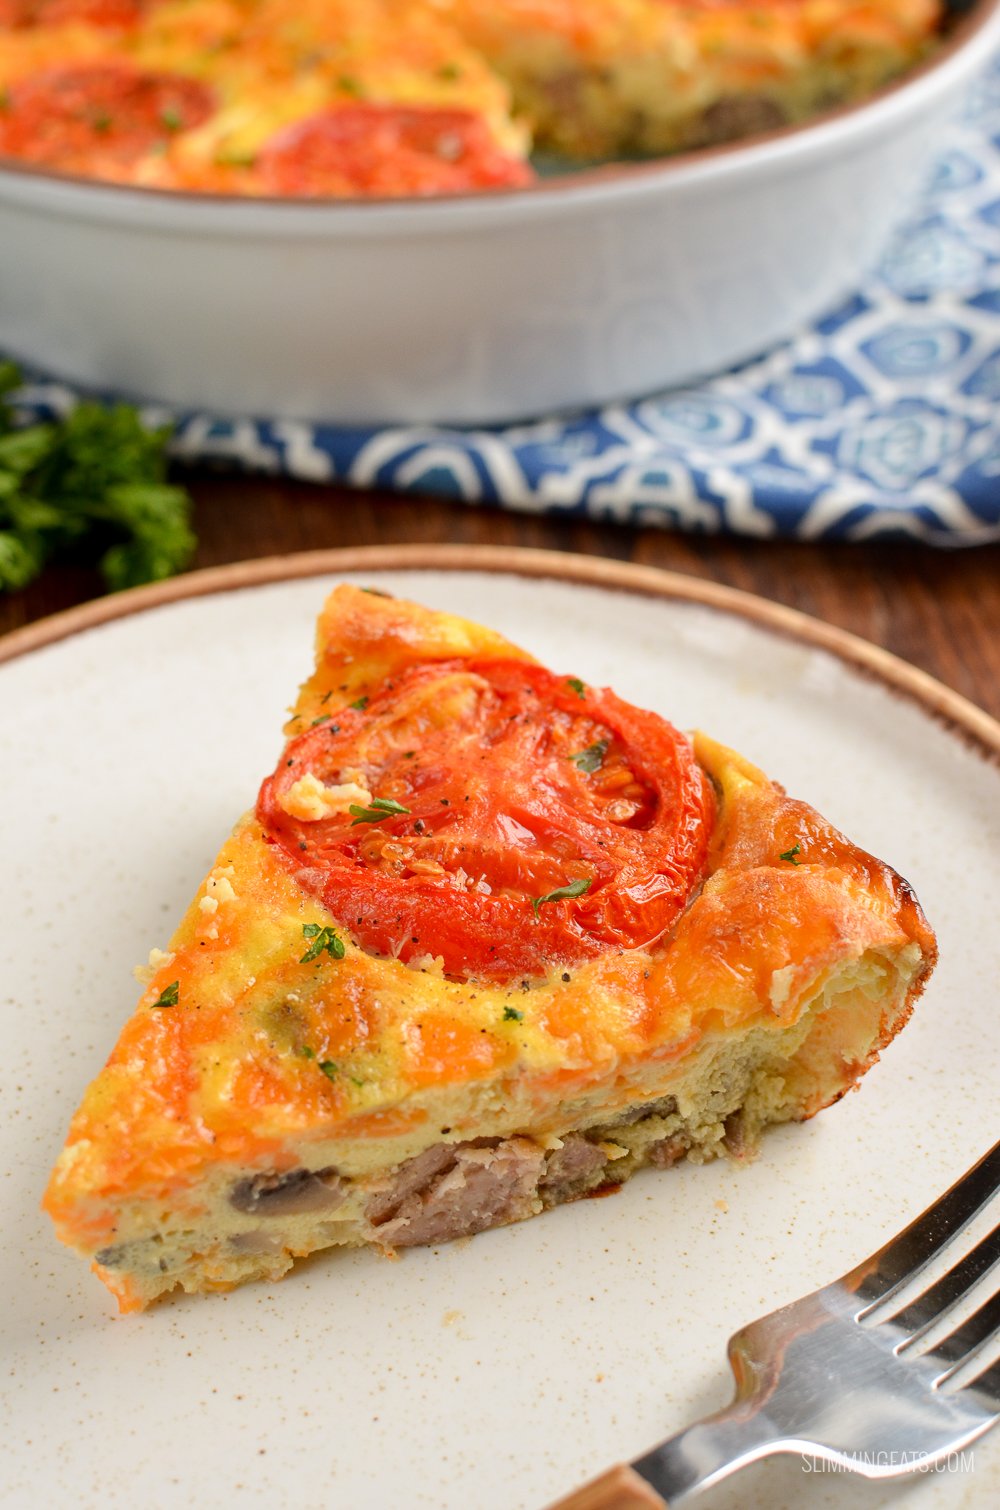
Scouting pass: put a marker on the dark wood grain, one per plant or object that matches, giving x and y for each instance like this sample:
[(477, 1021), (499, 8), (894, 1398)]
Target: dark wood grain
[(939, 610)]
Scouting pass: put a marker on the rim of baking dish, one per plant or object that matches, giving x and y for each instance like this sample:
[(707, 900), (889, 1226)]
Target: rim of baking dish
[(966, 44), (973, 725)]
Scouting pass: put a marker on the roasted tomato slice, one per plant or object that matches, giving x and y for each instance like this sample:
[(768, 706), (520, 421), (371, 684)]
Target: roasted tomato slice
[(386, 150), (111, 13), (495, 815), (86, 116)]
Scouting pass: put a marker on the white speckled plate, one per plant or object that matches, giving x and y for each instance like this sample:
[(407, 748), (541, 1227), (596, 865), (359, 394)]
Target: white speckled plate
[(495, 1373)]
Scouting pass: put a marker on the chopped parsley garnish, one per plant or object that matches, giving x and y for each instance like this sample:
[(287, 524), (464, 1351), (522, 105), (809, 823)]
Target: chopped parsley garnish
[(573, 889), (321, 720), (91, 488), (351, 86), (323, 939), (171, 119), (307, 1052), (592, 758), (169, 997), (449, 72), (789, 854), (328, 1067), (102, 122), (381, 807), (511, 1014), (359, 705), (578, 687)]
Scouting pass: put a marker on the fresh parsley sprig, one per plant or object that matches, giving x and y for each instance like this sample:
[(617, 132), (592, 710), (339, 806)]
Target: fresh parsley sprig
[(92, 485)]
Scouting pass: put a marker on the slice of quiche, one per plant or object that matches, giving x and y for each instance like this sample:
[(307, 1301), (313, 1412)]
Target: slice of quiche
[(492, 938)]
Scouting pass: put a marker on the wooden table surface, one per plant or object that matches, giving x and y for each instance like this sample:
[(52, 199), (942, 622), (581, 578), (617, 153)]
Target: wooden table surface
[(938, 609)]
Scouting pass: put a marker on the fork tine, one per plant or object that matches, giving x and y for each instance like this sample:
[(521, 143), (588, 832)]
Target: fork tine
[(958, 1346), (929, 1307), (987, 1387), (908, 1255)]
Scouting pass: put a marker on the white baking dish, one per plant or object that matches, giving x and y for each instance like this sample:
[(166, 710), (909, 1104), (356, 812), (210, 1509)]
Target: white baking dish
[(585, 288)]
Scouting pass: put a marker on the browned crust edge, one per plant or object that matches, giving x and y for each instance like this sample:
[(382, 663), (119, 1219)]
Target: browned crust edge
[(961, 32), (956, 713)]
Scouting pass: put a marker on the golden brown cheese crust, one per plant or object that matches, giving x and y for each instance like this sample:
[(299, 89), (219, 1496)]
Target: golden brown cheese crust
[(266, 1054), (595, 78)]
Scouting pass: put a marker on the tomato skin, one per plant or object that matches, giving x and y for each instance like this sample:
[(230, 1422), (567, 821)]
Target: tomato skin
[(90, 117), (18, 14), (498, 815), (368, 149)]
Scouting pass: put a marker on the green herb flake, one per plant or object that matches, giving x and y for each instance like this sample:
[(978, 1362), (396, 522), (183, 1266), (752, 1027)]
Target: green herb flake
[(328, 1067), (323, 940), (511, 1014), (235, 157), (573, 889), (578, 687), (169, 997), (171, 119), (381, 807), (790, 854), (307, 1052), (348, 85), (321, 720), (360, 705), (102, 122), (449, 72), (592, 758)]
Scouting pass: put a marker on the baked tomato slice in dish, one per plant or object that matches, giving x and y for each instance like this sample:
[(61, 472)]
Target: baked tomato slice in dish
[(111, 13), (494, 815), (370, 149), (89, 117)]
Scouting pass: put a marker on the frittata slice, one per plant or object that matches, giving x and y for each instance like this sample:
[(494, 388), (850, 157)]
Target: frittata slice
[(491, 939)]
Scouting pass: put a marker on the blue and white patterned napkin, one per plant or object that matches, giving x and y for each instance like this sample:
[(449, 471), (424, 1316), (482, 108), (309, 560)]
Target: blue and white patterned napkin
[(883, 419)]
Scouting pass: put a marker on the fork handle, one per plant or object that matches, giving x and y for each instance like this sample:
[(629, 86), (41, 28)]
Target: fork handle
[(620, 1488)]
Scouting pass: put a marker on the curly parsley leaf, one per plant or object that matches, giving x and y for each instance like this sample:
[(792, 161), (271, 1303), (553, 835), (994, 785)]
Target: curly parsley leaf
[(92, 484), (511, 1014), (573, 889), (329, 1068), (170, 996), (592, 758), (790, 854), (322, 940)]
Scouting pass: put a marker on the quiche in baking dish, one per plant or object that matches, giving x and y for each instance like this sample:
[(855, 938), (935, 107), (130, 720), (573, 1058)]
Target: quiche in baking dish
[(491, 939), (347, 98)]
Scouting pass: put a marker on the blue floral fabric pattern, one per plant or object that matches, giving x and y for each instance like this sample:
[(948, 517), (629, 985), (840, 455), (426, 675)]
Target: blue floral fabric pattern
[(883, 419)]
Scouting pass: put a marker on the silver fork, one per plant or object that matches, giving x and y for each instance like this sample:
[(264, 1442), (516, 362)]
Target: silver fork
[(843, 1376)]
